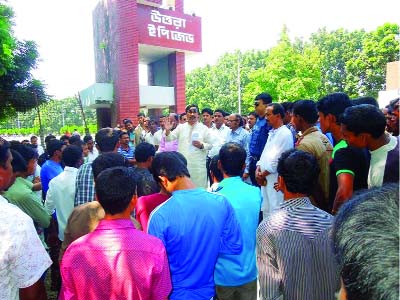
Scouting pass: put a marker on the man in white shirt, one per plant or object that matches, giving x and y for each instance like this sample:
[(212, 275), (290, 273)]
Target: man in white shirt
[(61, 193), (23, 259), (279, 140), (363, 126), (194, 139)]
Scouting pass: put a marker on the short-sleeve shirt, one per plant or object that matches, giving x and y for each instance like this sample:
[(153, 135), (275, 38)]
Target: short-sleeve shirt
[(50, 169), (195, 227), (350, 160), (23, 258)]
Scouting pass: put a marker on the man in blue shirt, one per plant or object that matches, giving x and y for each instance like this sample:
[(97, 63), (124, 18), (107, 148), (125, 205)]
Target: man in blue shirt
[(236, 275), (195, 227), (52, 167), (259, 135)]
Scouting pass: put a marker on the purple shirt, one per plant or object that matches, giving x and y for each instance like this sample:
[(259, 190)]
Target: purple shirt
[(115, 261), (167, 145)]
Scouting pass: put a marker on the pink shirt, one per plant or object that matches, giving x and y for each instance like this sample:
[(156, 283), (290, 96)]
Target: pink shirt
[(167, 145), (145, 205), (115, 261)]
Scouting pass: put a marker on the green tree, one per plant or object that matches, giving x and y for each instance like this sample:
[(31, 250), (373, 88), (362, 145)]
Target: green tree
[(292, 72), (19, 91), (217, 86)]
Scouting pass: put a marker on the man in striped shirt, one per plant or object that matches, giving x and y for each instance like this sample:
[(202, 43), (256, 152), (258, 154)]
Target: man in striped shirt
[(294, 255)]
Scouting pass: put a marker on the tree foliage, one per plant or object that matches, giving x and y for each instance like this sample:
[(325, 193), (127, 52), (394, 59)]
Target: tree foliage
[(353, 62), (19, 91)]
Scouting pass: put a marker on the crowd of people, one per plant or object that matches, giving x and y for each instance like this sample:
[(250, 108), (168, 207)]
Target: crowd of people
[(296, 200)]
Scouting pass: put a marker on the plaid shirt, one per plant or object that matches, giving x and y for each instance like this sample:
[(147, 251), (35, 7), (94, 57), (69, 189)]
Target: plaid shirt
[(84, 185)]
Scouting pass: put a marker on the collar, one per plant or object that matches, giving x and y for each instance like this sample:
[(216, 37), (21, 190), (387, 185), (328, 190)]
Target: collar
[(294, 203), (114, 224), (274, 130), (228, 180), (237, 131), (310, 130)]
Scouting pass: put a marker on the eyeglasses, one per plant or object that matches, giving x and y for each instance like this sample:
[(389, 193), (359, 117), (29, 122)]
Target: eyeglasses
[(256, 104), (192, 111)]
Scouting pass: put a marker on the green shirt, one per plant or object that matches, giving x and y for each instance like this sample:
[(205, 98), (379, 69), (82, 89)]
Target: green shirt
[(21, 195)]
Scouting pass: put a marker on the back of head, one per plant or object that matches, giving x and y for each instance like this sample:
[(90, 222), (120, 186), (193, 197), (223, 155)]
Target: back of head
[(264, 97), (214, 168), (49, 138), (115, 188), (365, 100), (107, 139), (18, 163), (73, 140), (170, 164), (143, 151), (299, 171), (334, 104), (232, 157), (72, 156), (4, 154), (107, 160), (288, 106), (366, 240), (26, 152), (53, 146), (307, 109), (364, 118)]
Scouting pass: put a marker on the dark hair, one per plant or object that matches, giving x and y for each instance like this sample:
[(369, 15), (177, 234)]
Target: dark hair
[(364, 118), (252, 113), (4, 154), (334, 104), (19, 164), (123, 133), (221, 111), (365, 100), (33, 137), (277, 109), (87, 138), (107, 139), (214, 168), (307, 109), (49, 138), (74, 139), (115, 188), (207, 110), (264, 97), (366, 244), (182, 115), (53, 146), (139, 115), (170, 164), (232, 157), (190, 106), (127, 121), (26, 152), (72, 155), (288, 106), (143, 151), (64, 137), (299, 170), (108, 160)]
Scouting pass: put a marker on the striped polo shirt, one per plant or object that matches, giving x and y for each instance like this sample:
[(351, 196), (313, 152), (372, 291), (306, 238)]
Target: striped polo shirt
[(294, 253)]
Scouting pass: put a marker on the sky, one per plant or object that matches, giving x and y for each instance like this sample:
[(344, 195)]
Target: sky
[(63, 30)]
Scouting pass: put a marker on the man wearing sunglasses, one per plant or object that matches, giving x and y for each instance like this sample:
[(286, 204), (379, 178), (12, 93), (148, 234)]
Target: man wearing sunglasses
[(259, 135), (194, 140)]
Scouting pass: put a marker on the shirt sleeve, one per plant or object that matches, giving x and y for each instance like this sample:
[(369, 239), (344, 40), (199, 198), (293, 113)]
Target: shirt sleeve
[(33, 207), (269, 275), (84, 185), (30, 260), (345, 161), (231, 240), (162, 281), (67, 288)]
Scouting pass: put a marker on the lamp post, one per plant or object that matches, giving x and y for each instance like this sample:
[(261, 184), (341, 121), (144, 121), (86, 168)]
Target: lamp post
[(238, 84)]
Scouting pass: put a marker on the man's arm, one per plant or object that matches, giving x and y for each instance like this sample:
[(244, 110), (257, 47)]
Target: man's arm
[(231, 240), (36, 291), (344, 191)]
